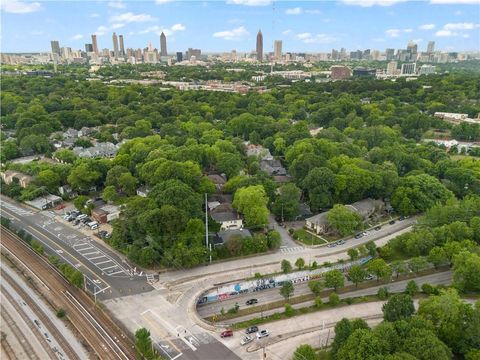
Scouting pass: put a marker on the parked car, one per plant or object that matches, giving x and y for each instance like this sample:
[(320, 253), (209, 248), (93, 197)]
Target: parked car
[(369, 277), (331, 245), (340, 242), (226, 333), (392, 222), (262, 334), (251, 329), (358, 236), (246, 340), (377, 227), (81, 217), (251, 301), (93, 225)]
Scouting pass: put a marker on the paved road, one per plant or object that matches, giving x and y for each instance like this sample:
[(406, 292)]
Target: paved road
[(287, 240), (106, 273)]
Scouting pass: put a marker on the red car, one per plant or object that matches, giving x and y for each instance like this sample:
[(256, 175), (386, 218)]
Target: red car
[(226, 333)]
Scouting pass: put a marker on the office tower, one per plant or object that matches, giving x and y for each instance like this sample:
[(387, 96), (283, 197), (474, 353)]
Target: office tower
[(94, 44), (179, 56), (115, 45), (122, 46), (408, 68), (431, 47), (335, 55), (194, 52), (366, 54), (259, 46), (67, 52), (343, 54), (163, 45), (55, 47), (390, 54), (278, 50), (392, 68), (412, 49), (233, 55), (88, 48)]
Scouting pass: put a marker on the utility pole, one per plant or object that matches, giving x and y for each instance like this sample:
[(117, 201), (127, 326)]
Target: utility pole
[(208, 246)]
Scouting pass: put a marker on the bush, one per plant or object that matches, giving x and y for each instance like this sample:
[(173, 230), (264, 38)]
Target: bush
[(333, 299), (429, 289), (318, 302), (412, 288), (289, 310), (291, 231), (60, 313), (314, 265), (382, 293), (37, 246)]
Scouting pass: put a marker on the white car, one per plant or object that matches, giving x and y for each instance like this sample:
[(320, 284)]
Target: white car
[(246, 340), (262, 334)]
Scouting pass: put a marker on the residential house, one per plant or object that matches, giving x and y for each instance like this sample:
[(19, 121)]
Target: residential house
[(273, 167), (224, 236), (23, 179), (227, 217), (257, 151), (45, 202), (67, 191), (218, 180), (99, 150), (366, 208), (143, 191), (106, 213)]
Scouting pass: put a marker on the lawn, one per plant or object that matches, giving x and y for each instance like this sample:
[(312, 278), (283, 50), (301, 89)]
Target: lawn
[(307, 238)]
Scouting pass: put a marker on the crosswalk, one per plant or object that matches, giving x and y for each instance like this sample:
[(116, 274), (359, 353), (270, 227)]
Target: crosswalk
[(102, 261), (287, 250)]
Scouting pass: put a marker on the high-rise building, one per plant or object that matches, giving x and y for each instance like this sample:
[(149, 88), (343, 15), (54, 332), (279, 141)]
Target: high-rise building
[(115, 45), (408, 68), (259, 47), (88, 48), (163, 45), (392, 68), (431, 47), (94, 44), (193, 52), (390, 54), (278, 50), (179, 56), (55, 47), (122, 46)]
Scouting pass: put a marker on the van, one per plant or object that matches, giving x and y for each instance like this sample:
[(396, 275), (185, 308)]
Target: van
[(93, 225), (80, 217)]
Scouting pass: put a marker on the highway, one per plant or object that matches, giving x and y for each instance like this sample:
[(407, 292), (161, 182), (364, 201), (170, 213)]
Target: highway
[(105, 338), (107, 275)]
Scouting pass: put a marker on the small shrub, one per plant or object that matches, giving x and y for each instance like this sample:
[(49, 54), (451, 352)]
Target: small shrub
[(349, 301), (333, 299), (314, 265), (429, 289), (60, 313), (318, 302), (289, 310), (382, 293), (412, 288)]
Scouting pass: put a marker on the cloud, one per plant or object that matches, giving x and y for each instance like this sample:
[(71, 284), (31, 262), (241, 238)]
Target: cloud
[(234, 34), (454, 2), (117, 4), (309, 38), (167, 31), (117, 26), (161, 2), (393, 32), (314, 11), (94, 15), (77, 37), (417, 41), (458, 13), (407, 30), (370, 3), (444, 33), (101, 30), (427, 27), (250, 2), (378, 39), (130, 17), (460, 26), (19, 7), (326, 20), (286, 32), (294, 11)]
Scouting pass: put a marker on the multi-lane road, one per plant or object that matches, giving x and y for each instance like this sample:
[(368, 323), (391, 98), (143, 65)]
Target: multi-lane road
[(106, 273)]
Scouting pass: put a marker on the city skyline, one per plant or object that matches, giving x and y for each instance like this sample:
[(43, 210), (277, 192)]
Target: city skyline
[(302, 26)]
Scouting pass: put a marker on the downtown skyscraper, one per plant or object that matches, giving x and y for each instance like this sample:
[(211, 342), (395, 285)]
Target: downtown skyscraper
[(163, 45), (115, 45), (94, 44), (259, 47), (122, 46)]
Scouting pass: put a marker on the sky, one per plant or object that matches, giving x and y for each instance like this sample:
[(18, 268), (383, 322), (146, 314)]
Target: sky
[(221, 26)]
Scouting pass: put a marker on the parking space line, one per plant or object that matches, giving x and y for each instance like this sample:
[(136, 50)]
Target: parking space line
[(110, 267), (96, 257), (91, 253), (102, 262), (118, 272), (87, 248)]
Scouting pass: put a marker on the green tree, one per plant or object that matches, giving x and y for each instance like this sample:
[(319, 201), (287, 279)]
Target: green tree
[(286, 266), (353, 253), (252, 201), (334, 279), (110, 194), (287, 289), (466, 271), (399, 267), (49, 179), (399, 306), (305, 352), (315, 287), (357, 274), (424, 345), (286, 204), (333, 299), (361, 344), (417, 264), (344, 220), (289, 310), (372, 248), (380, 268), (437, 256), (80, 202), (300, 263)]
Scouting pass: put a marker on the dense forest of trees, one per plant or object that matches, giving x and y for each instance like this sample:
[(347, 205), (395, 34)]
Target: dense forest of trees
[(175, 138)]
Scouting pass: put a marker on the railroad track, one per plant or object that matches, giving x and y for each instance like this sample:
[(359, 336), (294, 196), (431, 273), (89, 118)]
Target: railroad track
[(50, 326), (105, 338), (27, 347)]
